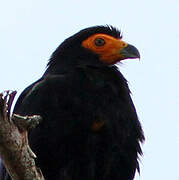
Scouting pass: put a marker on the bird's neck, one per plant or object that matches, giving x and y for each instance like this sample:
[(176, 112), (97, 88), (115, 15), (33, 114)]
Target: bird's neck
[(64, 65)]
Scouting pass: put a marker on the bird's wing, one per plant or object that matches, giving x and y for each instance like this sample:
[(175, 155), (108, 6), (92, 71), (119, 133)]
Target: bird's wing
[(46, 94), (51, 97), (23, 94)]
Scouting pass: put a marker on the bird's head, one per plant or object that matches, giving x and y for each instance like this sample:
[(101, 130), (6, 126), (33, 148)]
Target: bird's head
[(98, 45)]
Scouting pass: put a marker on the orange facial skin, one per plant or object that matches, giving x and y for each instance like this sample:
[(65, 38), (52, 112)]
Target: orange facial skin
[(109, 53)]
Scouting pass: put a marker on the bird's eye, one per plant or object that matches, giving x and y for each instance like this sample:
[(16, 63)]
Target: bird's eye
[(99, 42)]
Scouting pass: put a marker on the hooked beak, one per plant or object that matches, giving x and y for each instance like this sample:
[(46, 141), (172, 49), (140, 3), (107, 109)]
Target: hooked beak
[(130, 51)]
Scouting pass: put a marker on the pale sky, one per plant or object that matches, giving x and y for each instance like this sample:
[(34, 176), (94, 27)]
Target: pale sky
[(31, 30)]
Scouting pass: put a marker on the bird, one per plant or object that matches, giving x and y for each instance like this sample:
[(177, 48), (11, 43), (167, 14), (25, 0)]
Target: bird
[(90, 128)]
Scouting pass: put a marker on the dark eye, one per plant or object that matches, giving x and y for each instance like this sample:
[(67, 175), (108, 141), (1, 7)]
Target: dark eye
[(99, 42)]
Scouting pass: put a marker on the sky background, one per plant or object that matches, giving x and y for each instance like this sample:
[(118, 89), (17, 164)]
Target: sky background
[(31, 30)]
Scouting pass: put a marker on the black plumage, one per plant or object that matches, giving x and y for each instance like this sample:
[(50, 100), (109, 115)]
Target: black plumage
[(90, 129)]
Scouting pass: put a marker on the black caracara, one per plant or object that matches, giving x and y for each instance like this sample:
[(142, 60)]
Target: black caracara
[(90, 129)]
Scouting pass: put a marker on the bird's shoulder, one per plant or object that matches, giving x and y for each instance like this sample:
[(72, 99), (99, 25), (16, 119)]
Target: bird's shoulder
[(81, 77), (77, 85), (49, 87)]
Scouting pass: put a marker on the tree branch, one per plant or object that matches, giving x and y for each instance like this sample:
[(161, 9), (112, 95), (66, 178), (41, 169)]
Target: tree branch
[(15, 152)]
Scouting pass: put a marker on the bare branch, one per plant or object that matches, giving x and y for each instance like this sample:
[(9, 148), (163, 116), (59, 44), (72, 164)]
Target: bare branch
[(15, 152)]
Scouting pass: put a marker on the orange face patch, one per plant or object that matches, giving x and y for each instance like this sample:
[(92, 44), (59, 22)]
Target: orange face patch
[(107, 47)]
